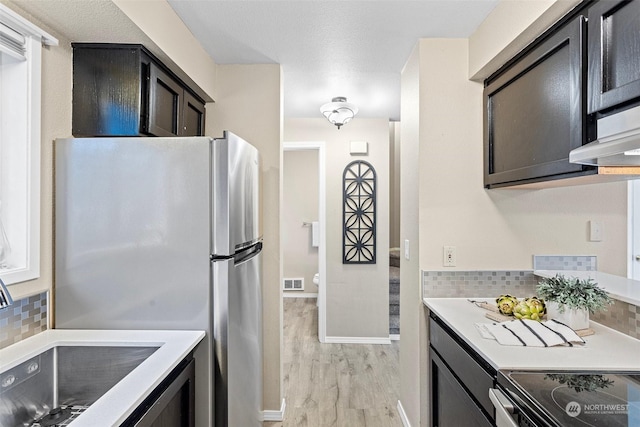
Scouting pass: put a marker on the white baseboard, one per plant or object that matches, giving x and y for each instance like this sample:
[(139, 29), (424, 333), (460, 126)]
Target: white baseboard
[(394, 337), (299, 295), (403, 415), (275, 415), (357, 340)]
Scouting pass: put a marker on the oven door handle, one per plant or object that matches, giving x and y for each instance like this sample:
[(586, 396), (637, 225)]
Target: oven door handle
[(504, 409)]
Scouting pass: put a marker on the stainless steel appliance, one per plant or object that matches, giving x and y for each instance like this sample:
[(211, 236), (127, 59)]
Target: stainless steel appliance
[(617, 144), (568, 398), (163, 233)]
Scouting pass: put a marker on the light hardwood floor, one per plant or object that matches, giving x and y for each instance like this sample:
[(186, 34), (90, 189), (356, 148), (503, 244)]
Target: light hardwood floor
[(348, 385)]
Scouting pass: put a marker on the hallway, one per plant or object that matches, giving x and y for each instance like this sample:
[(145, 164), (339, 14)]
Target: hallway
[(335, 384)]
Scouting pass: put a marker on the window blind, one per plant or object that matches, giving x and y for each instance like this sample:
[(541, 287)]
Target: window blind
[(12, 42)]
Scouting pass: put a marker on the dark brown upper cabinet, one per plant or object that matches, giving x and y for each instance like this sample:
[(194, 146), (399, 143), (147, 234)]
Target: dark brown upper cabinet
[(123, 90), (192, 116), (535, 111), (614, 54)]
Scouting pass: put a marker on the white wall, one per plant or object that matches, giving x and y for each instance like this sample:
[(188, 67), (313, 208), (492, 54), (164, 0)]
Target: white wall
[(357, 295), (55, 122), (491, 229), (154, 17), (300, 184), (410, 304), (249, 104), (510, 27), (394, 186), (497, 229)]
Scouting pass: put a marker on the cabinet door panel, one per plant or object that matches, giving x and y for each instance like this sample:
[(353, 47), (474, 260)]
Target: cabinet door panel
[(192, 116), (520, 117), (451, 405), (106, 92), (614, 54), (172, 404), (165, 99), (535, 111)]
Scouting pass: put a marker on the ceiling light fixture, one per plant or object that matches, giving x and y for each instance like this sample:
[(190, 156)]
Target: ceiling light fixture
[(339, 111)]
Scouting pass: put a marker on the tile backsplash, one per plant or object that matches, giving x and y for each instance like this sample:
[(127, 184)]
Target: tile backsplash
[(24, 318), (621, 316), (565, 262), (464, 284)]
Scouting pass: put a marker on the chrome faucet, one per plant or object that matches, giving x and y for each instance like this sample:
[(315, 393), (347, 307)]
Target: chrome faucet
[(5, 296)]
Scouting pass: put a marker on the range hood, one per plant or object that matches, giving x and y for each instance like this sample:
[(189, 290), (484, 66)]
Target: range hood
[(618, 142)]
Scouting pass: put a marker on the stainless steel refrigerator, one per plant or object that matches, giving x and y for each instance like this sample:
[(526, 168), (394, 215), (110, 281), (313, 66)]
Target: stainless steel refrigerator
[(163, 233)]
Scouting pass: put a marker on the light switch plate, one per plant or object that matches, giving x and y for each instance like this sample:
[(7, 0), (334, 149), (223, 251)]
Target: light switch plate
[(406, 249), (595, 231)]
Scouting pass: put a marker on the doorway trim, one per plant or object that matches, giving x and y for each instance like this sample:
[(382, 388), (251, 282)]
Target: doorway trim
[(633, 229), (320, 146)]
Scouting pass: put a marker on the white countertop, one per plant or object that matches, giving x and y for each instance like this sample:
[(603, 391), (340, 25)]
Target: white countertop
[(617, 287), (607, 349), (120, 401)]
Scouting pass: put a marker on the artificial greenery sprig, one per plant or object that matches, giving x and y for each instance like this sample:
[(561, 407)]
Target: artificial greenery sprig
[(574, 293), (581, 382)]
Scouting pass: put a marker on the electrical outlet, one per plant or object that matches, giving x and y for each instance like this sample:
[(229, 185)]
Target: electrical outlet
[(449, 253)]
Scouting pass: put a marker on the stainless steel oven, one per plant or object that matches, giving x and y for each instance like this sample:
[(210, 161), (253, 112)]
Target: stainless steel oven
[(566, 398)]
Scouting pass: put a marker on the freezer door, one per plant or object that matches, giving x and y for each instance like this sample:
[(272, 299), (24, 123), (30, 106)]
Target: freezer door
[(235, 177), (237, 332), (132, 242)]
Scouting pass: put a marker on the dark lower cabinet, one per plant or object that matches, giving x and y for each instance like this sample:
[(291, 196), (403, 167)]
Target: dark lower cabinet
[(614, 54), (123, 90), (451, 404), (459, 381), (171, 404)]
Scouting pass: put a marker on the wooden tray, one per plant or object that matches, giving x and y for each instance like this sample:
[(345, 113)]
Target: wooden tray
[(494, 314)]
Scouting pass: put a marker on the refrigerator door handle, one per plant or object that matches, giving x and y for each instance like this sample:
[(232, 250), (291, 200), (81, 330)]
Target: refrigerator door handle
[(247, 254)]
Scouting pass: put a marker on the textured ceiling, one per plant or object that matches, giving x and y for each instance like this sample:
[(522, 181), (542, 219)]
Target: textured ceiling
[(86, 20), (329, 48), (99, 21)]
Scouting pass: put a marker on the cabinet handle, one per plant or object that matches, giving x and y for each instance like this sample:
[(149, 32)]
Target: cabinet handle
[(637, 257)]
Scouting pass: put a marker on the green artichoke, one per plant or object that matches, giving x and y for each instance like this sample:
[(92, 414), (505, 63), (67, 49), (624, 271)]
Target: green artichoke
[(506, 304), (530, 308)]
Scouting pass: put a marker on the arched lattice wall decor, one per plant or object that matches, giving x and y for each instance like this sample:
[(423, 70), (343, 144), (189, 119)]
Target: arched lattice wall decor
[(359, 213)]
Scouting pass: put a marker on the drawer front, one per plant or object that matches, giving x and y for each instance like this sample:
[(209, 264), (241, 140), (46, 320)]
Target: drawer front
[(470, 373)]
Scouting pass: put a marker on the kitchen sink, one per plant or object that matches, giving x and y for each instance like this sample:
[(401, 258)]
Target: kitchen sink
[(58, 384)]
